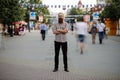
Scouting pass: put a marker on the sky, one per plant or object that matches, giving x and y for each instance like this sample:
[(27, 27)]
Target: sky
[(65, 2)]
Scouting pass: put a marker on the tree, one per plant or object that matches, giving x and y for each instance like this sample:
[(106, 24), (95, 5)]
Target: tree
[(10, 11), (117, 5), (111, 10), (111, 15), (39, 10), (75, 11)]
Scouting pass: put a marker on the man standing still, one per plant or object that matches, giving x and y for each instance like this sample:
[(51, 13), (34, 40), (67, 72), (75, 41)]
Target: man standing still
[(60, 29)]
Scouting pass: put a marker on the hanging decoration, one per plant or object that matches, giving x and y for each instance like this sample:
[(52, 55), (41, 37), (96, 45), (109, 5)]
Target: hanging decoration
[(68, 6), (26, 5), (55, 6), (59, 6), (71, 6), (86, 6), (64, 7), (51, 6), (90, 5)]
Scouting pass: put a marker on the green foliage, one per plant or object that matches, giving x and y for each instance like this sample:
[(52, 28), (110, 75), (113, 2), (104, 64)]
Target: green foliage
[(10, 11), (35, 1), (38, 10), (117, 4), (75, 11), (111, 11), (80, 18)]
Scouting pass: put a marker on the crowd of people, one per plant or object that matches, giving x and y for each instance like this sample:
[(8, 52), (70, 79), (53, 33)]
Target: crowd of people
[(82, 28), (97, 27), (60, 29), (14, 30)]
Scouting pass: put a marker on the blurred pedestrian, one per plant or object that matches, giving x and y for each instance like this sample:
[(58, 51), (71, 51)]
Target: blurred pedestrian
[(101, 27), (60, 30), (10, 31), (105, 33), (21, 30), (72, 27), (82, 30), (16, 30), (43, 28), (94, 31)]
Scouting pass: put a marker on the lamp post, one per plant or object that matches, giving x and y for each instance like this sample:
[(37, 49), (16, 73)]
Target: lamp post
[(28, 11), (27, 6)]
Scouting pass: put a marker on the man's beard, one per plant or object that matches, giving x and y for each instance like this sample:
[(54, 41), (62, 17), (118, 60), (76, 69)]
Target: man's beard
[(60, 20)]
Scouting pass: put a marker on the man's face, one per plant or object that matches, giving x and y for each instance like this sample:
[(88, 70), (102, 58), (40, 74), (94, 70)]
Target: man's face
[(60, 18)]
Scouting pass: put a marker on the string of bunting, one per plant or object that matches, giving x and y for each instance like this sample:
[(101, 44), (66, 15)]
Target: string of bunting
[(65, 6)]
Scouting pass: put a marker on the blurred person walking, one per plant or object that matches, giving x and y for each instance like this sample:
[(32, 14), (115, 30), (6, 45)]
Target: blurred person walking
[(105, 32), (10, 31), (101, 27), (81, 28), (94, 31), (21, 30), (43, 28), (60, 30)]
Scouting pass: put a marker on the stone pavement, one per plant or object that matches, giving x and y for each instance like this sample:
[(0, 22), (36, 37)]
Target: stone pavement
[(29, 58), (115, 38)]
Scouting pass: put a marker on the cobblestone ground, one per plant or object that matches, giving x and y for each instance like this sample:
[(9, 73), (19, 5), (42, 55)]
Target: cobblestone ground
[(29, 58)]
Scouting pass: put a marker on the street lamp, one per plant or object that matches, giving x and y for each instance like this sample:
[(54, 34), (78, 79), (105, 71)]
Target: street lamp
[(29, 7), (26, 6), (28, 11)]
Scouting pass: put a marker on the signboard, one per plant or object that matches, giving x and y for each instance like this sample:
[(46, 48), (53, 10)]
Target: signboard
[(32, 16), (40, 18), (95, 15), (31, 24)]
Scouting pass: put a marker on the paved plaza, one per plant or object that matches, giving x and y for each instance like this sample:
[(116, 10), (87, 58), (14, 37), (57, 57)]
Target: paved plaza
[(29, 58)]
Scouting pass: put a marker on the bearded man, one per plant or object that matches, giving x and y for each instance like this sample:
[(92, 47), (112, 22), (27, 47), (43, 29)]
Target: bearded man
[(60, 29)]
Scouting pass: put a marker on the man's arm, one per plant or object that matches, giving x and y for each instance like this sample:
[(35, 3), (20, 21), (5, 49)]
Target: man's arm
[(65, 30), (62, 31), (56, 32)]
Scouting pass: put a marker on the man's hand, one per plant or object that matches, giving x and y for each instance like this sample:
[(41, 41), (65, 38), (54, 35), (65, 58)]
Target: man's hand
[(59, 30), (62, 31)]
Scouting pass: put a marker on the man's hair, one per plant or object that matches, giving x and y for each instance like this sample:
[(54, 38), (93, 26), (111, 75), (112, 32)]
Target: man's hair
[(60, 14)]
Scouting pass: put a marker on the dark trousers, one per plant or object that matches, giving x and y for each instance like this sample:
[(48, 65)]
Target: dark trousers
[(101, 35), (43, 34), (63, 46)]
